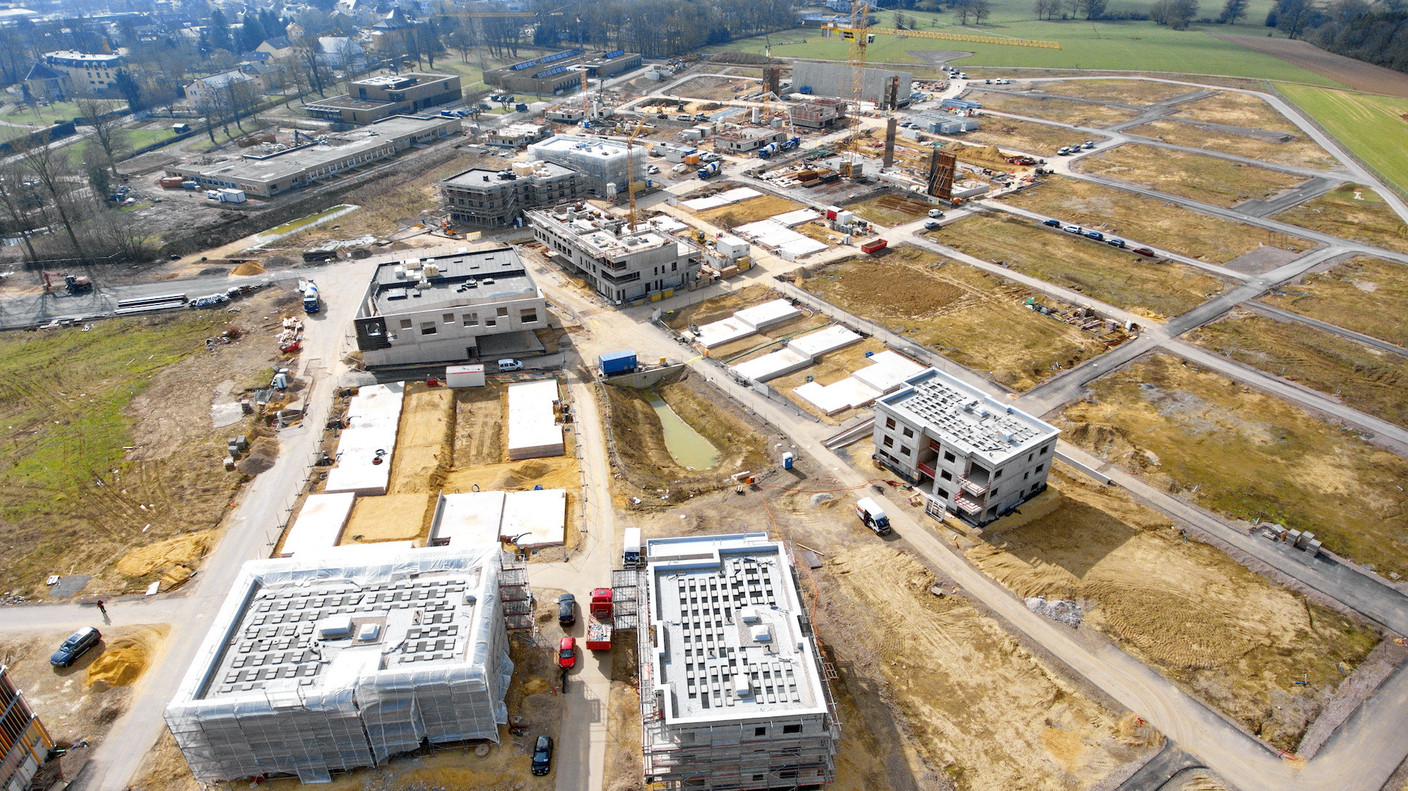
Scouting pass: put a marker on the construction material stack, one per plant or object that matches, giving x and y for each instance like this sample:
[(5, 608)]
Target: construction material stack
[(599, 625)]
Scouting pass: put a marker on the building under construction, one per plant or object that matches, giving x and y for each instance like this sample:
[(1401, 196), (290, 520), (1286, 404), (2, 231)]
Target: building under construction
[(344, 660), (600, 162), (818, 113), (734, 691), (881, 87), (24, 743)]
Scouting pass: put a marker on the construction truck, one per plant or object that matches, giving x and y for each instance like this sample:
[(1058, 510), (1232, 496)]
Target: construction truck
[(711, 169), (790, 143), (767, 151), (73, 284), (599, 624), (311, 303)]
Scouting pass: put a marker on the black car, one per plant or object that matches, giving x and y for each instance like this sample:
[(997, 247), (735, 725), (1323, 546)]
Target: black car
[(1096, 235), (1053, 223), (542, 756), (566, 609), (75, 646)]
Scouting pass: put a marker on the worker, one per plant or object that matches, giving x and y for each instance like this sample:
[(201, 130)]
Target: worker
[(102, 609)]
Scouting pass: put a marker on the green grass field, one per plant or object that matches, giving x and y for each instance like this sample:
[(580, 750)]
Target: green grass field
[(1372, 127), (1124, 46)]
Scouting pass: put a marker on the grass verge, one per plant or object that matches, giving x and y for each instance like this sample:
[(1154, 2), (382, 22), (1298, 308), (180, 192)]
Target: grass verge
[(1370, 126), (1363, 294)]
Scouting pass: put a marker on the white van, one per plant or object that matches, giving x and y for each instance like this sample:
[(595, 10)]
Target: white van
[(510, 365), (873, 516)]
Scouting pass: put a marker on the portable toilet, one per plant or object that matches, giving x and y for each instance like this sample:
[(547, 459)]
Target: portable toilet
[(787, 460)]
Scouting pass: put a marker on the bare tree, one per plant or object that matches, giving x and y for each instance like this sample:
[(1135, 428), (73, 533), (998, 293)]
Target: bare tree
[(53, 170), (108, 132), (18, 201)]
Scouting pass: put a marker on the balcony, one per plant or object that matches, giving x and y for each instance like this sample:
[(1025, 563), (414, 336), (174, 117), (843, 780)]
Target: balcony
[(975, 489), (927, 469), (968, 506)]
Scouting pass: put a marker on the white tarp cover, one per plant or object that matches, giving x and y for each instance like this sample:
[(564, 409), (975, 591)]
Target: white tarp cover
[(830, 399), (768, 314), (467, 519), (373, 416), (319, 524), (535, 519), (371, 701), (797, 217), (533, 430), (721, 199), (771, 366), (789, 244), (826, 339), (723, 331), (887, 371)]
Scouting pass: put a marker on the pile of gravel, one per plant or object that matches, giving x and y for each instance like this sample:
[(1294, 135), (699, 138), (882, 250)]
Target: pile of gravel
[(1062, 610)]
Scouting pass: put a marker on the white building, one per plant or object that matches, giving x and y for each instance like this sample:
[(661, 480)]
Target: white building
[(441, 306), (342, 661), (733, 694), (88, 74), (601, 162), (967, 452), (228, 90), (621, 266)]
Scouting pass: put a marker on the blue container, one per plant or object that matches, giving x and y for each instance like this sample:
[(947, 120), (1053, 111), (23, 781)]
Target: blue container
[(613, 363)]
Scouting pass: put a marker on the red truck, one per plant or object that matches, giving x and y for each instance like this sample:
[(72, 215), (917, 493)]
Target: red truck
[(874, 246), (599, 625)]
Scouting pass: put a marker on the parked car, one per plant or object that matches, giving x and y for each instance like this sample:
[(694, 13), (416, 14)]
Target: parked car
[(1063, 151), (932, 224), (1144, 251), (75, 646), (1096, 235), (1088, 144), (567, 652), (566, 609), (653, 169), (542, 756), (684, 117), (710, 156), (1113, 242), (1076, 229), (1052, 223), (936, 214)]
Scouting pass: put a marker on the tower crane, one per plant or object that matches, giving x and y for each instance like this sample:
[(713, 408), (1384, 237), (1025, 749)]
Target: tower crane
[(631, 174)]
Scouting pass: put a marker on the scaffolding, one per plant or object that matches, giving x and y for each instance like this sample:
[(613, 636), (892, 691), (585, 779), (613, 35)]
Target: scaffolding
[(321, 665)]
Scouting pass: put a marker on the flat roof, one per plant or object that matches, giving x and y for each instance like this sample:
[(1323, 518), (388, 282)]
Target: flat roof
[(535, 518), (319, 524), (316, 627), (394, 81), (346, 102), (467, 519), (476, 177), (464, 278), (368, 443), (533, 430), (596, 234), (584, 147), (730, 643), (971, 420)]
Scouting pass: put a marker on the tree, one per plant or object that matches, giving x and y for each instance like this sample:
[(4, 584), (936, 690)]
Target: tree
[(982, 9), (53, 171), (18, 201), (1232, 12), (310, 66), (219, 31), (100, 179), (1176, 14), (251, 31), (1047, 9), (1294, 17), (124, 85), (1094, 9), (107, 129)]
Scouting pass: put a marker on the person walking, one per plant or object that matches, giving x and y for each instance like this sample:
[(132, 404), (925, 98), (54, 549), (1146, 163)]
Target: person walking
[(102, 608)]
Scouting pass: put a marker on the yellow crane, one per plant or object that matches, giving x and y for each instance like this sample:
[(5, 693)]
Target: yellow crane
[(631, 174), (860, 34)]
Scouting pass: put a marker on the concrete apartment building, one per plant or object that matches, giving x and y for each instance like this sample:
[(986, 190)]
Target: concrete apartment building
[(600, 162), (733, 688), (374, 98), (561, 72), (621, 266), (267, 175), (967, 452), (449, 307), (517, 135), (87, 74), (24, 742), (498, 197), (838, 80), (748, 139), (343, 659), (818, 113)]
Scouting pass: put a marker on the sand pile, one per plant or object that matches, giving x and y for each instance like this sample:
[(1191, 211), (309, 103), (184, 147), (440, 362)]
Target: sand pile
[(184, 550), (248, 268), (125, 659)]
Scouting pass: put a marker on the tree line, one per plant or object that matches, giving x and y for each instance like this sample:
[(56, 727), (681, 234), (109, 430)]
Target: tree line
[(1374, 33)]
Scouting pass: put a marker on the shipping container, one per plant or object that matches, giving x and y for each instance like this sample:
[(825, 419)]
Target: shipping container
[(619, 362)]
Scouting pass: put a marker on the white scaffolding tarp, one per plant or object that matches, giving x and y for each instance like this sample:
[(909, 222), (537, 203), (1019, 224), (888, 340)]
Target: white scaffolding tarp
[(768, 314), (797, 217), (887, 371), (723, 331), (533, 430), (840, 396), (368, 441), (788, 244)]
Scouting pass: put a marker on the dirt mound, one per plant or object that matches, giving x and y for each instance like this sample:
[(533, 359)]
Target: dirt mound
[(181, 552), (248, 268), (125, 659)]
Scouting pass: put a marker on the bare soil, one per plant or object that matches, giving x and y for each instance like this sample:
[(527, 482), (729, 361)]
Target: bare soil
[(1248, 456), (1299, 150), (1055, 109), (891, 208), (974, 318), (828, 369), (715, 88), (1356, 74), (720, 307), (479, 433), (1368, 379), (623, 749), (1027, 136), (1352, 211), (1142, 220), (1135, 92), (1237, 109), (1225, 634), (751, 210), (1220, 182), (1118, 277), (1363, 294)]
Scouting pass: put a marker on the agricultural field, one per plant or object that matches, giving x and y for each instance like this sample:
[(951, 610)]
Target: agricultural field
[(1143, 220), (1368, 379), (1300, 150), (110, 454), (1117, 277), (891, 208), (1363, 294), (1248, 456), (1197, 177), (1135, 92), (1352, 211), (1028, 137), (1367, 125), (1353, 74), (751, 210), (976, 319), (1053, 108), (1225, 634)]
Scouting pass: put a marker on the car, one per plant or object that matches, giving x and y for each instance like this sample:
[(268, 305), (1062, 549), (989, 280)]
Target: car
[(510, 364), (653, 169), (542, 756), (987, 82), (1143, 251), (1088, 144), (566, 609), (567, 652), (1063, 151), (661, 116), (936, 214), (701, 116), (1076, 229), (1053, 223), (1113, 242), (684, 117), (963, 75), (930, 225), (1096, 235), (710, 156), (77, 644)]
